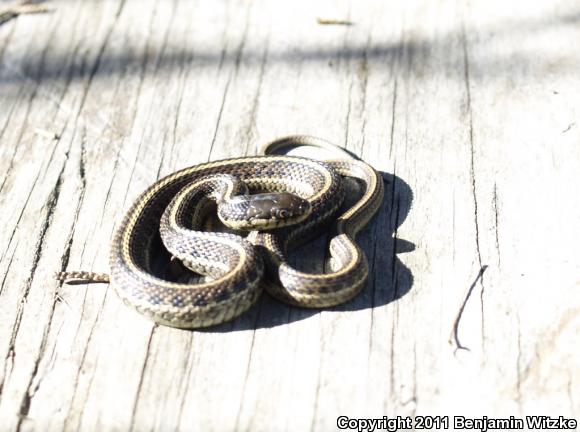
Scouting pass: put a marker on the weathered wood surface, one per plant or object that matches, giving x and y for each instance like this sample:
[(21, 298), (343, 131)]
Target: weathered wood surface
[(472, 107)]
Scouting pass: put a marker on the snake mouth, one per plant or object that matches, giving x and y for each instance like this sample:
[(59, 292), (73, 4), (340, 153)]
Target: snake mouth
[(271, 223)]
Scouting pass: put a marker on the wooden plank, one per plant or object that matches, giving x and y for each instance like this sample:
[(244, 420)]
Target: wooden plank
[(472, 307)]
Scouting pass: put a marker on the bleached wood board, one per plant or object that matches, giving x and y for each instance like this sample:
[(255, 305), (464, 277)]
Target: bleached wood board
[(470, 110)]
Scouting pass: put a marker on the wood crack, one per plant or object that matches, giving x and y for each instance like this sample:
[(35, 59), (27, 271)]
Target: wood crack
[(473, 177), (19, 140), (141, 378), (392, 368), (318, 383), (393, 116), (32, 388), (496, 224), (244, 37), (187, 377), (51, 206), (256, 102), (395, 209), (244, 385), (455, 332), (219, 117), (82, 359), (6, 272), (364, 81), (372, 293), (347, 118)]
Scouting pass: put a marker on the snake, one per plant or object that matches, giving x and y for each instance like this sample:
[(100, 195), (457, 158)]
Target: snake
[(270, 203)]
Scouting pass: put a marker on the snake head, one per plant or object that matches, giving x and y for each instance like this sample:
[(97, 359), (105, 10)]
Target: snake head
[(275, 210)]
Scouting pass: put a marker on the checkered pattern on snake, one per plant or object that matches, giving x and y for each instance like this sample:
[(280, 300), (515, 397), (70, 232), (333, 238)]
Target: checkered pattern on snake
[(238, 267)]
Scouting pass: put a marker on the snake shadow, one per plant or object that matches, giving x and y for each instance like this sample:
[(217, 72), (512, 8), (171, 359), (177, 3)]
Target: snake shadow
[(389, 279)]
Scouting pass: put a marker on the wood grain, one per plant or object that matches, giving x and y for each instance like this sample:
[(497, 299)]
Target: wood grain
[(469, 109)]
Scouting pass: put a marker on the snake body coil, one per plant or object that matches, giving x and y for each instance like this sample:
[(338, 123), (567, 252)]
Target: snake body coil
[(172, 210)]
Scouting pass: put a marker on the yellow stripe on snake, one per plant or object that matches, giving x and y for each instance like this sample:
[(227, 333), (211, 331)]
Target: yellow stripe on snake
[(281, 200)]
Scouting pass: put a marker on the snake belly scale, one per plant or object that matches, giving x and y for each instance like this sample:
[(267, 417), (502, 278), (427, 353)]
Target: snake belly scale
[(238, 267)]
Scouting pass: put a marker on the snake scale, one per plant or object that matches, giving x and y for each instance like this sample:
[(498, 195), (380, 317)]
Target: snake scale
[(281, 200)]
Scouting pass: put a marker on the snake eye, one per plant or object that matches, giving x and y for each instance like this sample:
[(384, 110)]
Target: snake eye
[(283, 214)]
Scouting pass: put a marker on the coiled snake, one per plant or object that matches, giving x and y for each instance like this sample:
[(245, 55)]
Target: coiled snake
[(294, 198)]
